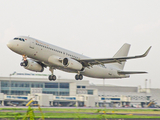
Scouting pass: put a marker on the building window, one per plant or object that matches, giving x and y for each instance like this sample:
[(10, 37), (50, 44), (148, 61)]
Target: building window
[(90, 92), (64, 85), (4, 91), (26, 85), (4, 84), (20, 92), (148, 97), (16, 85), (32, 85), (51, 85), (37, 85), (64, 93), (83, 86), (56, 93), (21, 85), (78, 86)]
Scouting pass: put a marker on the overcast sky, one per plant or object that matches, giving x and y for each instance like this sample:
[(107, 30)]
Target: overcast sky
[(95, 28)]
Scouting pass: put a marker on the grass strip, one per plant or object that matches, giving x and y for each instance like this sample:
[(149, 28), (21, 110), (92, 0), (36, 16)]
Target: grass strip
[(74, 115)]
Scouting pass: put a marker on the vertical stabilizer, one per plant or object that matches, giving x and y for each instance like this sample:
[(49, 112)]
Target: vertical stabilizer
[(122, 52)]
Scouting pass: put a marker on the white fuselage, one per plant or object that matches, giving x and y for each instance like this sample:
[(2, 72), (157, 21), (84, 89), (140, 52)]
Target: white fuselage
[(41, 51)]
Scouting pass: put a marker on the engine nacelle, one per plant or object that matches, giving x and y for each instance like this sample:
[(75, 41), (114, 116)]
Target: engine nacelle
[(72, 64), (32, 65), (55, 60)]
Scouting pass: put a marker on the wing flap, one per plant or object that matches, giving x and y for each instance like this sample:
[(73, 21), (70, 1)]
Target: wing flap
[(130, 72)]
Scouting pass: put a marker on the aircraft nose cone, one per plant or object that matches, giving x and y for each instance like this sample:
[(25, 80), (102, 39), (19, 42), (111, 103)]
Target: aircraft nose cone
[(9, 45)]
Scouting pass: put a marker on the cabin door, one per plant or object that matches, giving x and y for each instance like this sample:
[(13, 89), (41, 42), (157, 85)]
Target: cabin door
[(32, 43)]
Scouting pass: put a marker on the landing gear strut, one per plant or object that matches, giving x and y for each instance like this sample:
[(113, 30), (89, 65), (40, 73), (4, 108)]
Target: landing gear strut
[(79, 77), (24, 57), (25, 62), (52, 76)]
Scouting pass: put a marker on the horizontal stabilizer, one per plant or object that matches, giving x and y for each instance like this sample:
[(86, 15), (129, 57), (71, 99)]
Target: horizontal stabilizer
[(130, 72)]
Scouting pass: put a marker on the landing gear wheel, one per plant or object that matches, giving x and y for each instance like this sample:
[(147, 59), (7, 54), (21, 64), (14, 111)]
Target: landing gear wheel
[(52, 77), (22, 64), (79, 77)]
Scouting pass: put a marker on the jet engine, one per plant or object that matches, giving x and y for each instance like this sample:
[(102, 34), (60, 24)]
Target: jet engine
[(72, 64), (32, 65)]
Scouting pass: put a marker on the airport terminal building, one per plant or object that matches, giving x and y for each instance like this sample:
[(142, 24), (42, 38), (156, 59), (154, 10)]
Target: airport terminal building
[(67, 92)]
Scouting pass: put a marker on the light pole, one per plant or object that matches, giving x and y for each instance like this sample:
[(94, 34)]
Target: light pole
[(104, 92), (10, 84), (146, 89), (150, 83), (58, 93)]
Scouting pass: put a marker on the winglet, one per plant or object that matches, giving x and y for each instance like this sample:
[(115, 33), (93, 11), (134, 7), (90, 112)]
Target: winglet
[(146, 53)]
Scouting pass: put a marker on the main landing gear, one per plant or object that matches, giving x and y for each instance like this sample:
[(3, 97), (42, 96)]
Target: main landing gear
[(52, 77), (79, 77)]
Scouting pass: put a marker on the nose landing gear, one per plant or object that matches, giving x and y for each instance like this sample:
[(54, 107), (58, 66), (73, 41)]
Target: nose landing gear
[(24, 57), (25, 62)]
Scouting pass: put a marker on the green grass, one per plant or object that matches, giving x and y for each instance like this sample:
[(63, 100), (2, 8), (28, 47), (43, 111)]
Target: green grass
[(78, 113), (146, 111), (84, 110), (81, 115), (13, 108)]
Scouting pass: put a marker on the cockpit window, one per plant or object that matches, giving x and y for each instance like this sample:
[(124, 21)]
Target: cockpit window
[(16, 38), (21, 39)]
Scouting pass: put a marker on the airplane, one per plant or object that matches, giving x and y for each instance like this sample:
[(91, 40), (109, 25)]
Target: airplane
[(38, 55)]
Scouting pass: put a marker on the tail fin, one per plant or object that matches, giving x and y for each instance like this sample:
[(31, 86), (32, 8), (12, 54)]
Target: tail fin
[(122, 52)]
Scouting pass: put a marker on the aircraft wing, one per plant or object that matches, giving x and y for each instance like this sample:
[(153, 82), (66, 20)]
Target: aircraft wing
[(90, 62)]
